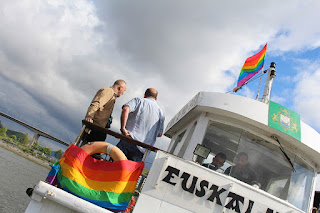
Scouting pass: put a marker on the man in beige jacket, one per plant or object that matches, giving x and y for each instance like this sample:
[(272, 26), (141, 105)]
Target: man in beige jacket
[(101, 108)]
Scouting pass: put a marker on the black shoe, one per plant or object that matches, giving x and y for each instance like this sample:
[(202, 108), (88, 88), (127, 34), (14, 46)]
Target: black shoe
[(29, 191)]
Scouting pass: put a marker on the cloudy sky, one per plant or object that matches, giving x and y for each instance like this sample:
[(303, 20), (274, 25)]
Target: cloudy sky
[(55, 55)]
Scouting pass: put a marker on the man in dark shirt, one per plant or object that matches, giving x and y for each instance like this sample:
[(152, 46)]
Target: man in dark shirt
[(242, 170), (217, 161)]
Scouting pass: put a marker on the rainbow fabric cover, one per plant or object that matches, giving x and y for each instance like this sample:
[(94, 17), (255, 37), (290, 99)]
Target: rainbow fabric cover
[(106, 184), (252, 66)]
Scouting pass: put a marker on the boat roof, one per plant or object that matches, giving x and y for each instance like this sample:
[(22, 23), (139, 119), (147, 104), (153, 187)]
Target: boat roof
[(245, 113)]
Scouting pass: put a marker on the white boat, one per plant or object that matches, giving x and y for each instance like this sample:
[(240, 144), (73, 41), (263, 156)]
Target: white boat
[(285, 160)]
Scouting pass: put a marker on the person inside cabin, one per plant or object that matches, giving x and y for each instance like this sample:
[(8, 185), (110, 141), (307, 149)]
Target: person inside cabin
[(143, 120), (217, 161), (314, 210), (100, 110), (278, 192), (242, 170)]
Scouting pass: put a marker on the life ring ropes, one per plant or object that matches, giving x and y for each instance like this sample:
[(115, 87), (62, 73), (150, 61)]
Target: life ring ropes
[(102, 147)]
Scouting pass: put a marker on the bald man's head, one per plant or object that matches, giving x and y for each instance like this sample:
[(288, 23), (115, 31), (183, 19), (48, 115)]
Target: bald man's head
[(151, 92)]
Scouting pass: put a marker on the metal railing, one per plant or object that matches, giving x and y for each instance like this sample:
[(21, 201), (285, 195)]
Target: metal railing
[(90, 126)]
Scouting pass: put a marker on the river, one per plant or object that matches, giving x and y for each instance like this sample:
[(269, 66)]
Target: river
[(16, 175)]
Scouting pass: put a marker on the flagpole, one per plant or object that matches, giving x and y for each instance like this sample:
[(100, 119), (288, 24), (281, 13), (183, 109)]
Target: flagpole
[(264, 72), (269, 82)]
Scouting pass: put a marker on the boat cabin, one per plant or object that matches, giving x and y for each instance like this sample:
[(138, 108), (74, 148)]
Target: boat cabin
[(283, 162)]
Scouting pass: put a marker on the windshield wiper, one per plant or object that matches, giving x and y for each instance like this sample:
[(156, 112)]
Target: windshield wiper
[(284, 152)]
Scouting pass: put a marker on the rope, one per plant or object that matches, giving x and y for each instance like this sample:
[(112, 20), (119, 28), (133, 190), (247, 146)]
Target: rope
[(252, 79), (257, 97), (256, 77)]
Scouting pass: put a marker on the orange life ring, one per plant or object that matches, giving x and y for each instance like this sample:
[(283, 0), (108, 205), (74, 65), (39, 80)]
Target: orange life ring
[(102, 147)]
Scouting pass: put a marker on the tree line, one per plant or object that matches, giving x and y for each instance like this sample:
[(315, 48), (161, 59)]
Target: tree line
[(23, 142)]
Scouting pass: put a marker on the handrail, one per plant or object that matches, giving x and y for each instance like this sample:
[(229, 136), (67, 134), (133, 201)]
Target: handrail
[(97, 128)]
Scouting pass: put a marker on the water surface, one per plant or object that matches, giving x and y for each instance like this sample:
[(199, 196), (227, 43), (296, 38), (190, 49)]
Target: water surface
[(16, 175)]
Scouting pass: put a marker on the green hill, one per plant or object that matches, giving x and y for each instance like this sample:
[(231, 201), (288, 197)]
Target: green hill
[(18, 134)]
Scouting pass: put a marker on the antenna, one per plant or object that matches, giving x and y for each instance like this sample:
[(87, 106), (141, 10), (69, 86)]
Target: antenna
[(262, 73), (269, 81)]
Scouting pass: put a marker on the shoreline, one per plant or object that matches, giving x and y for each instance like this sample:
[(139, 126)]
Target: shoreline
[(19, 152)]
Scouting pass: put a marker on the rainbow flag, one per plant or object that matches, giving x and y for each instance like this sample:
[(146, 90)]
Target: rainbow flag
[(106, 184), (252, 66)]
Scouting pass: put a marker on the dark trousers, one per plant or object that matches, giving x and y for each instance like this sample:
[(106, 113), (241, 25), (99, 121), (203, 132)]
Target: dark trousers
[(93, 136), (96, 136), (130, 150)]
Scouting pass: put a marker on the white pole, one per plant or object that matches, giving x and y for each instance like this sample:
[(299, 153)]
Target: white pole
[(145, 155), (269, 81)]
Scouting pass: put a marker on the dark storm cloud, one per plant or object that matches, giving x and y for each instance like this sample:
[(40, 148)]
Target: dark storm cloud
[(54, 56)]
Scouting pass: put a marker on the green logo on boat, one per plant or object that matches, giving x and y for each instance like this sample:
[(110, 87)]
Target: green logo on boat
[(284, 120)]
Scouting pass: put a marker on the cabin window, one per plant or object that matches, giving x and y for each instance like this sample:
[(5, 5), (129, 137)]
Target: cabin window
[(182, 148), (301, 184), (261, 163), (177, 140)]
